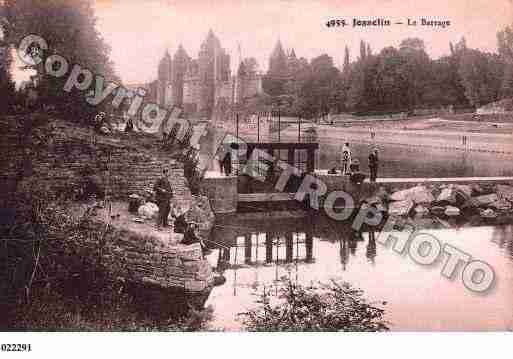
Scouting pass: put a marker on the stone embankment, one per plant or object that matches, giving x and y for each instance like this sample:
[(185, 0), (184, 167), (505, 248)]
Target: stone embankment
[(53, 154)]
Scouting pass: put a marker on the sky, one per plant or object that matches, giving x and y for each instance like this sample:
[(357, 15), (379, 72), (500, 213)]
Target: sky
[(140, 31)]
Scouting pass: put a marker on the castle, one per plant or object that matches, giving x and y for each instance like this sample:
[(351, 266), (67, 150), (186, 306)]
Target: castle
[(199, 85)]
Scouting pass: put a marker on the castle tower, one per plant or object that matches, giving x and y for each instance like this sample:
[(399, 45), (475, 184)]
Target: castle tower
[(278, 62), (240, 83), (180, 64), (214, 66), (164, 78)]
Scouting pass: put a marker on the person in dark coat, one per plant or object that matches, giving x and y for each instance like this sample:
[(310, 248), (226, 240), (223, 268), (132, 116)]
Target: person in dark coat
[(163, 195), (226, 164), (129, 125), (373, 165)]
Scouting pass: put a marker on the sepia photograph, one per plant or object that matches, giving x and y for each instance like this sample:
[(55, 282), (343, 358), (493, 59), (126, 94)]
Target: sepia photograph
[(255, 166)]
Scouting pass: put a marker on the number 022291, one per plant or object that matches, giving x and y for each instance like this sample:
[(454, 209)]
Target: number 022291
[(15, 347)]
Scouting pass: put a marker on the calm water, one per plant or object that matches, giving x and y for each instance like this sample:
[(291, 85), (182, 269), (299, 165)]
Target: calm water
[(402, 161), (263, 250)]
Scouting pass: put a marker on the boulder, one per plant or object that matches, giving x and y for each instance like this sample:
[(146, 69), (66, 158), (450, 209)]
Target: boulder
[(437, 210), (452, 211), (421, 210), (488, 213), (373, 200), (477, 190), (482, 201), (500, 205), (465, 189), (447, 195), (453, 194), (148, 210), (505, 192), (400, 208), (400, 195), (417, 194)]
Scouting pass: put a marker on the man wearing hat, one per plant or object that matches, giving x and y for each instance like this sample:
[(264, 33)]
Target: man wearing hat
[(163, 195), (345, 158), (373, 165)]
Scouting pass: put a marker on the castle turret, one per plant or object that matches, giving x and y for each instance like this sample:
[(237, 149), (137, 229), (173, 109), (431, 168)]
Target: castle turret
[(164, 78), (277, 61), (180, 64)]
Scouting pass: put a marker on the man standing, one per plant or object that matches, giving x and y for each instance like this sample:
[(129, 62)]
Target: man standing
[(373, 165), (345, 158), (163, 195)]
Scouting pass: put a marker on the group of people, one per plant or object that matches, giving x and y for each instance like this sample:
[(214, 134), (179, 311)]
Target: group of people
[(163, 195), (346, 160)]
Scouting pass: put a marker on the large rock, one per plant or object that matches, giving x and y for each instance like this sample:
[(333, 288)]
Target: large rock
[(488, 213), (148, 210), (400, 195), (453, 194), (501, 205), (505, 192), (400, 208), (417, 194), (421, 210), (452, 211), (437, 210), (464, 189), (482, 201)]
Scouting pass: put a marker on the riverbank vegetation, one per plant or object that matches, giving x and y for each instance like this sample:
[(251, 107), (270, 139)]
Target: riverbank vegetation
[(51, 281), (322, 307)]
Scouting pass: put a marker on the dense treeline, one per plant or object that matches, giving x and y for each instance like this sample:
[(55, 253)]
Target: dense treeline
[(70, 30), (393, 80)]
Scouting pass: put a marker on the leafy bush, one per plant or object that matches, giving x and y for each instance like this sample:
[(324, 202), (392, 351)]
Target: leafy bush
[(326, 307), (52, 277)]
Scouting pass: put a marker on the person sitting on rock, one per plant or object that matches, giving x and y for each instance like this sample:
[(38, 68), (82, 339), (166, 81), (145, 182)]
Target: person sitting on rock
[(190, 237)]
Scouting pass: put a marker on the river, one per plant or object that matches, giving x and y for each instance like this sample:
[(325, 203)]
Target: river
[(316, 249), (308, 250)]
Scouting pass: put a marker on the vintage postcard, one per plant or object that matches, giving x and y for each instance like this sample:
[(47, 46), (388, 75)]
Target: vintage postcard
[(240, 166)]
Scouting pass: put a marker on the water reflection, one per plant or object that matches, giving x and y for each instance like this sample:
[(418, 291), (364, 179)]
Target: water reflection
[(257, 252), (404, 161)]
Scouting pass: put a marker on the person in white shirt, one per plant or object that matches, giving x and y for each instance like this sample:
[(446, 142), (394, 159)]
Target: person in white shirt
[(345, 158)]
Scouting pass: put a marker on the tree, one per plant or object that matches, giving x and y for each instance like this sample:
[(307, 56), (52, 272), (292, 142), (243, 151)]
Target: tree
[(363, 50), (319, 89), (506, 90), (356, 87), (70, 30), (7, 91), (505, 43), (481, 76), (505, 48), (415, 69), (346, 59)]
